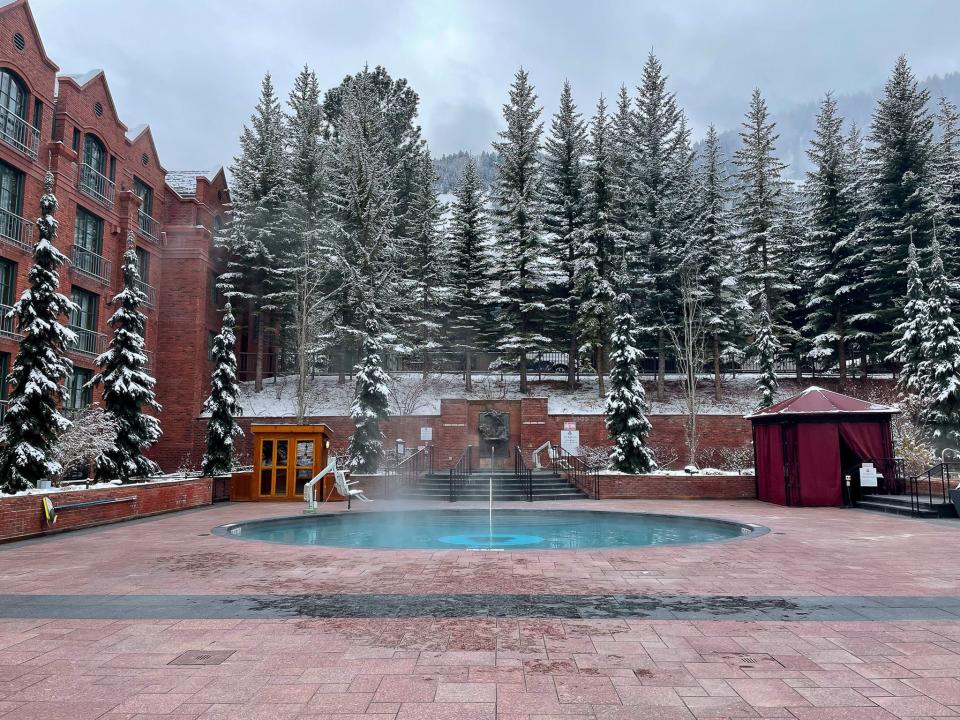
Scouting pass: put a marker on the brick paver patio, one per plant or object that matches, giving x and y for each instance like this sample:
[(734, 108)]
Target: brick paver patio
[(424, 667)]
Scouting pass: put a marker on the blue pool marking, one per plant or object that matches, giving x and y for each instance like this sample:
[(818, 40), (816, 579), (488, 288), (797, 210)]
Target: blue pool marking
[(498, 539)]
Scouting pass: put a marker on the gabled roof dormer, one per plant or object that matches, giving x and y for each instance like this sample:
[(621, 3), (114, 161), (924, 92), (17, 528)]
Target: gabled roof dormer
[(88, 83), (141, 138), (8, 11)]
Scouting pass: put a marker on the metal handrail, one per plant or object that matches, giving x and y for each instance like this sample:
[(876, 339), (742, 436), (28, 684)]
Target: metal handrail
[(18, 133), (8, 323), (90, 263), (148, 227), (943, 474), (411, 468), (891, 470), (522, 472), (149, 291), (16, 231), (576, 471), (95, 184), (88, 342), (460, 471)]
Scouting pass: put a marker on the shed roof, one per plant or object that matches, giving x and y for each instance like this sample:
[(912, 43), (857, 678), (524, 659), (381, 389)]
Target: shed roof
[(817, 401)]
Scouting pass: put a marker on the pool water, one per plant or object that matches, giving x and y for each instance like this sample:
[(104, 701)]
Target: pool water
[(472, 529)]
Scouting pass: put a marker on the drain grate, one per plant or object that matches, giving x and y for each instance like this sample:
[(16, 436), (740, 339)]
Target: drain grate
[(201, 657), (750, 661)]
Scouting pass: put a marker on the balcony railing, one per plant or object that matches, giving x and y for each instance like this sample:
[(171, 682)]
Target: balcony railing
[(149, 228), (19, 134), (149, 291), (89, 263), (8, 325), (16, 231), (95, 184), (88, 342)]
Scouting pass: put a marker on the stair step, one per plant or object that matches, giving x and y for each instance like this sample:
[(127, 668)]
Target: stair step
[(898, 508)]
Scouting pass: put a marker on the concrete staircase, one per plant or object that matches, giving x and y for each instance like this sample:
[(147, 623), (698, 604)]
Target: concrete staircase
[(900, 505), (506, 486)]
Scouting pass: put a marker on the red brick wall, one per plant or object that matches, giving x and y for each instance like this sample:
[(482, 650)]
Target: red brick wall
[(22, 516), (678, 487)]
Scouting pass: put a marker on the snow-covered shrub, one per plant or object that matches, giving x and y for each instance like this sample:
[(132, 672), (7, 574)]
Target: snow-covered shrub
[(91, 433)]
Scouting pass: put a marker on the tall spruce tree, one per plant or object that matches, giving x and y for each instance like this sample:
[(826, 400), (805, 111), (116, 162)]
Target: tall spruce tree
[(939, 371), (223, 404), (621, 150), (945, 181), (127, 386), (258, 234), (518, 208), (469, 268), (626, 420), (33, 421), (596, 246), (898, 191), (766, 347), (725, 309), (370, 402), (908, 343), (564, 200), (760, 185)]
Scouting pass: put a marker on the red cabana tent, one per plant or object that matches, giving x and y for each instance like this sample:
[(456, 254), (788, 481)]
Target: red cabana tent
[(803, 445)]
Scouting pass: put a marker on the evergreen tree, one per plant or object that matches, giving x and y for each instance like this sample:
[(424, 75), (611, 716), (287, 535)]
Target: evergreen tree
[(725, 310), (901, 138), (627, 423), (945, 179), (759, 203), (127, 387), (908, 344), (621, 150), (224, 401), (469, 274), (257, 235), (519, 211), (33, 422), (792, 233), (836, 306), (766, 347), (370, 403), (426, 292), (565, 216), (939, 371), (596, 249)]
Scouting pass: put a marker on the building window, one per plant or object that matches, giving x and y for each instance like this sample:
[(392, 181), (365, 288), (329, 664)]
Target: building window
[(89, 231), (113, 168), (13, 96), (4, 388), (79, 395), (37, 115), (214, 290), (143, 264), (145, 193), (211, 336), (8, 283), (84, 315), (94, 154), (11, 190), (76, 140)]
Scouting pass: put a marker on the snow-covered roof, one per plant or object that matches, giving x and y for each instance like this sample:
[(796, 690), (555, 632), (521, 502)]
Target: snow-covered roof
[(184, 182), (82, 79), (134, 132), (817, 401)]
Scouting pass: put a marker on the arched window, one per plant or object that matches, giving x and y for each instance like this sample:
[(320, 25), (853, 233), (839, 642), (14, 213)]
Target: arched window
[(13, 109), (94, 154)]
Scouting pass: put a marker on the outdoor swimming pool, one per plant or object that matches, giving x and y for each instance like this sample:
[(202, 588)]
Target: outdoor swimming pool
[(479, 530)]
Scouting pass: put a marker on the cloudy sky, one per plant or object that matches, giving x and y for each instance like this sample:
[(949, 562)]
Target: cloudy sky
[(191, 68)]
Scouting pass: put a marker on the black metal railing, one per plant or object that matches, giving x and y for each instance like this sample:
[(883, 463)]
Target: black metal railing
[(460, 471), (87, 342), (149, 293), (149, 228), (8, 323), (16, 231), (18, 133), (523, 473), (575, 470), (95, 184), (91, 263), (412, 468), (933, 486)]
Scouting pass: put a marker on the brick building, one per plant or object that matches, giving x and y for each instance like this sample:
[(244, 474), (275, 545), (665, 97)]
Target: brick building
[(112, 189)]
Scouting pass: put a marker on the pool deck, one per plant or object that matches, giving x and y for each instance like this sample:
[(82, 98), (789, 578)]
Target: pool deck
[(832, 614)]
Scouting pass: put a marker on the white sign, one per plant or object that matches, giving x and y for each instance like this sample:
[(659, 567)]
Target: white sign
[(569, 426), (426, 433), (868, 475), (570, 441)]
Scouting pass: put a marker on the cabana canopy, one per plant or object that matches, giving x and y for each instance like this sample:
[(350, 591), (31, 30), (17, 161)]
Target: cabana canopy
[(804, 444)]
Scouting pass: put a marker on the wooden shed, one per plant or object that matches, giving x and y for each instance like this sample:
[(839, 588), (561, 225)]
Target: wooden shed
[(285, 458)]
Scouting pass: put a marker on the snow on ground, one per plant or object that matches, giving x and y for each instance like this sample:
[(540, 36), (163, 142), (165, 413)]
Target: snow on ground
[(410, 394), (72, 486)]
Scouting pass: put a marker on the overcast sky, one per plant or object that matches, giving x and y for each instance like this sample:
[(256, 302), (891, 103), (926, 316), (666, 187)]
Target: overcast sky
[(191, 68)]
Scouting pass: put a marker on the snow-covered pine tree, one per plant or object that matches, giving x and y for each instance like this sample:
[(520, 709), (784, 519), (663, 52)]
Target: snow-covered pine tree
[(939, 371), (564, 204), (897, 204), (908, 341), (596, 246), (127, 387), (626, 420), (258, 233), (361, 200), (370, 402), (621, 150), (469, 268), (33, 421), (659, 175), (792, 233), (836, 306), (427, 297), (724, 307), (760, 193), (224, 401), (518, 208), (766, 347), (945, 181)]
